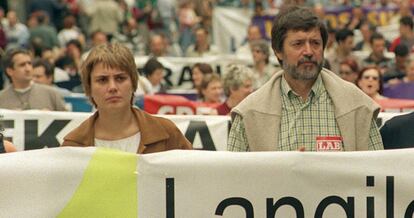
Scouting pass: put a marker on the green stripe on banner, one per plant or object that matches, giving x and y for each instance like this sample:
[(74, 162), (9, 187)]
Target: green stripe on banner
[(108, 188)]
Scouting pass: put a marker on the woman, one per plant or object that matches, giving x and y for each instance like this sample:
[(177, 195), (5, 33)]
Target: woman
[(348, 70), (109, 78), (198, 71), (262, 67), (211, 89), (370, 82), (238, 84)]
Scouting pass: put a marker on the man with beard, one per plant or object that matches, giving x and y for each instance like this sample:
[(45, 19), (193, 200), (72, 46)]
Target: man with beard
[(304, 107)]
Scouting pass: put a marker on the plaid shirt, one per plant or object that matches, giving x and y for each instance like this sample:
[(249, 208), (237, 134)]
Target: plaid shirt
[(301, 122)]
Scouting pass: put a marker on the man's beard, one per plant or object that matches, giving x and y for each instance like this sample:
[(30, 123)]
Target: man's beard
[(304, 73)]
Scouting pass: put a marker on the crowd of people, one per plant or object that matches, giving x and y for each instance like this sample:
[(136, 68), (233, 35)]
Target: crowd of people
[(318, 88)]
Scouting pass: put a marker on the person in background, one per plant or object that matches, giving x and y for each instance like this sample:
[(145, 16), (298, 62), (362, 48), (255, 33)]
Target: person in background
[(159, 47), (399, 65), (70, 31), (43, 74), (262, 68), (406, 34), (367, 30), (198, 71), (23, 94), (202, 46), (211, 89), (345, 43), (304, 106), (237, 84), (349, 70), (109, 77), (377, 56), (154, 73), (370, 82), (398, 132), (253, 34), (17, 33)]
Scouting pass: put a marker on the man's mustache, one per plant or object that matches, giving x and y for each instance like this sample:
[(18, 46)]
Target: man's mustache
[(307, 60)]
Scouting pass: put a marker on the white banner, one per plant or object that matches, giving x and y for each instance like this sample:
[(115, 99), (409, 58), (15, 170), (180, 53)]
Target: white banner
[(90, 182), (34, 129), (37, 129), (178, 70)]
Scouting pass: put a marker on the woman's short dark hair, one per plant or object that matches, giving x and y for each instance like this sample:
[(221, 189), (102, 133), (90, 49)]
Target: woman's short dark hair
[(204, 68), (295, 18)]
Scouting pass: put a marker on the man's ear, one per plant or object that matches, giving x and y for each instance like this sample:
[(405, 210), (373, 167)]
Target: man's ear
[(9, 71)]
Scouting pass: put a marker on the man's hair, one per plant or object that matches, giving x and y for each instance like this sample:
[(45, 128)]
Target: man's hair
[(8, 57), (401, 50), (376, 36), (407, 21), (295, 18), (151, 66), (342, 34), (115, 56), (49, 68), (76, 43), (263, 46), (235, 75)]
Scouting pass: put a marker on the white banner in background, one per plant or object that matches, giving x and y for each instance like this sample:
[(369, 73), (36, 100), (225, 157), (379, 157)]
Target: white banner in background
[(38, 129), (93, 182), (178, 70)]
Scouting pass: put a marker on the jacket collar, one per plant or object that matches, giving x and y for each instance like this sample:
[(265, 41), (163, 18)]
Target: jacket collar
[(151, 130)]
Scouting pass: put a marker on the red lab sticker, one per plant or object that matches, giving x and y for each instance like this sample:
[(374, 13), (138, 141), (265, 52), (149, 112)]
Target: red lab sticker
[(328, 143)]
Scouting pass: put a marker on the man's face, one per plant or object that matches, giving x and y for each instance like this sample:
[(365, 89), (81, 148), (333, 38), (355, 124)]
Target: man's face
[(99, 39), (348, 44), (39, 76), (366, 32), (22, 69), (378, 47), (258, 55), (253, 33), (404, 30), (302, 54), (201, 37), (12, 18), (157, 46)]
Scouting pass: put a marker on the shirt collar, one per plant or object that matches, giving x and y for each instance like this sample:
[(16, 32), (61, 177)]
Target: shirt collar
[(316, 90)]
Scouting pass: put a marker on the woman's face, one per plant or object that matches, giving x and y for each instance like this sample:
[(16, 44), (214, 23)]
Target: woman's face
[(369, 82), (347, 73), (156, 77), (213, 92), (197, 76), (110, 88), (258, 55)]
